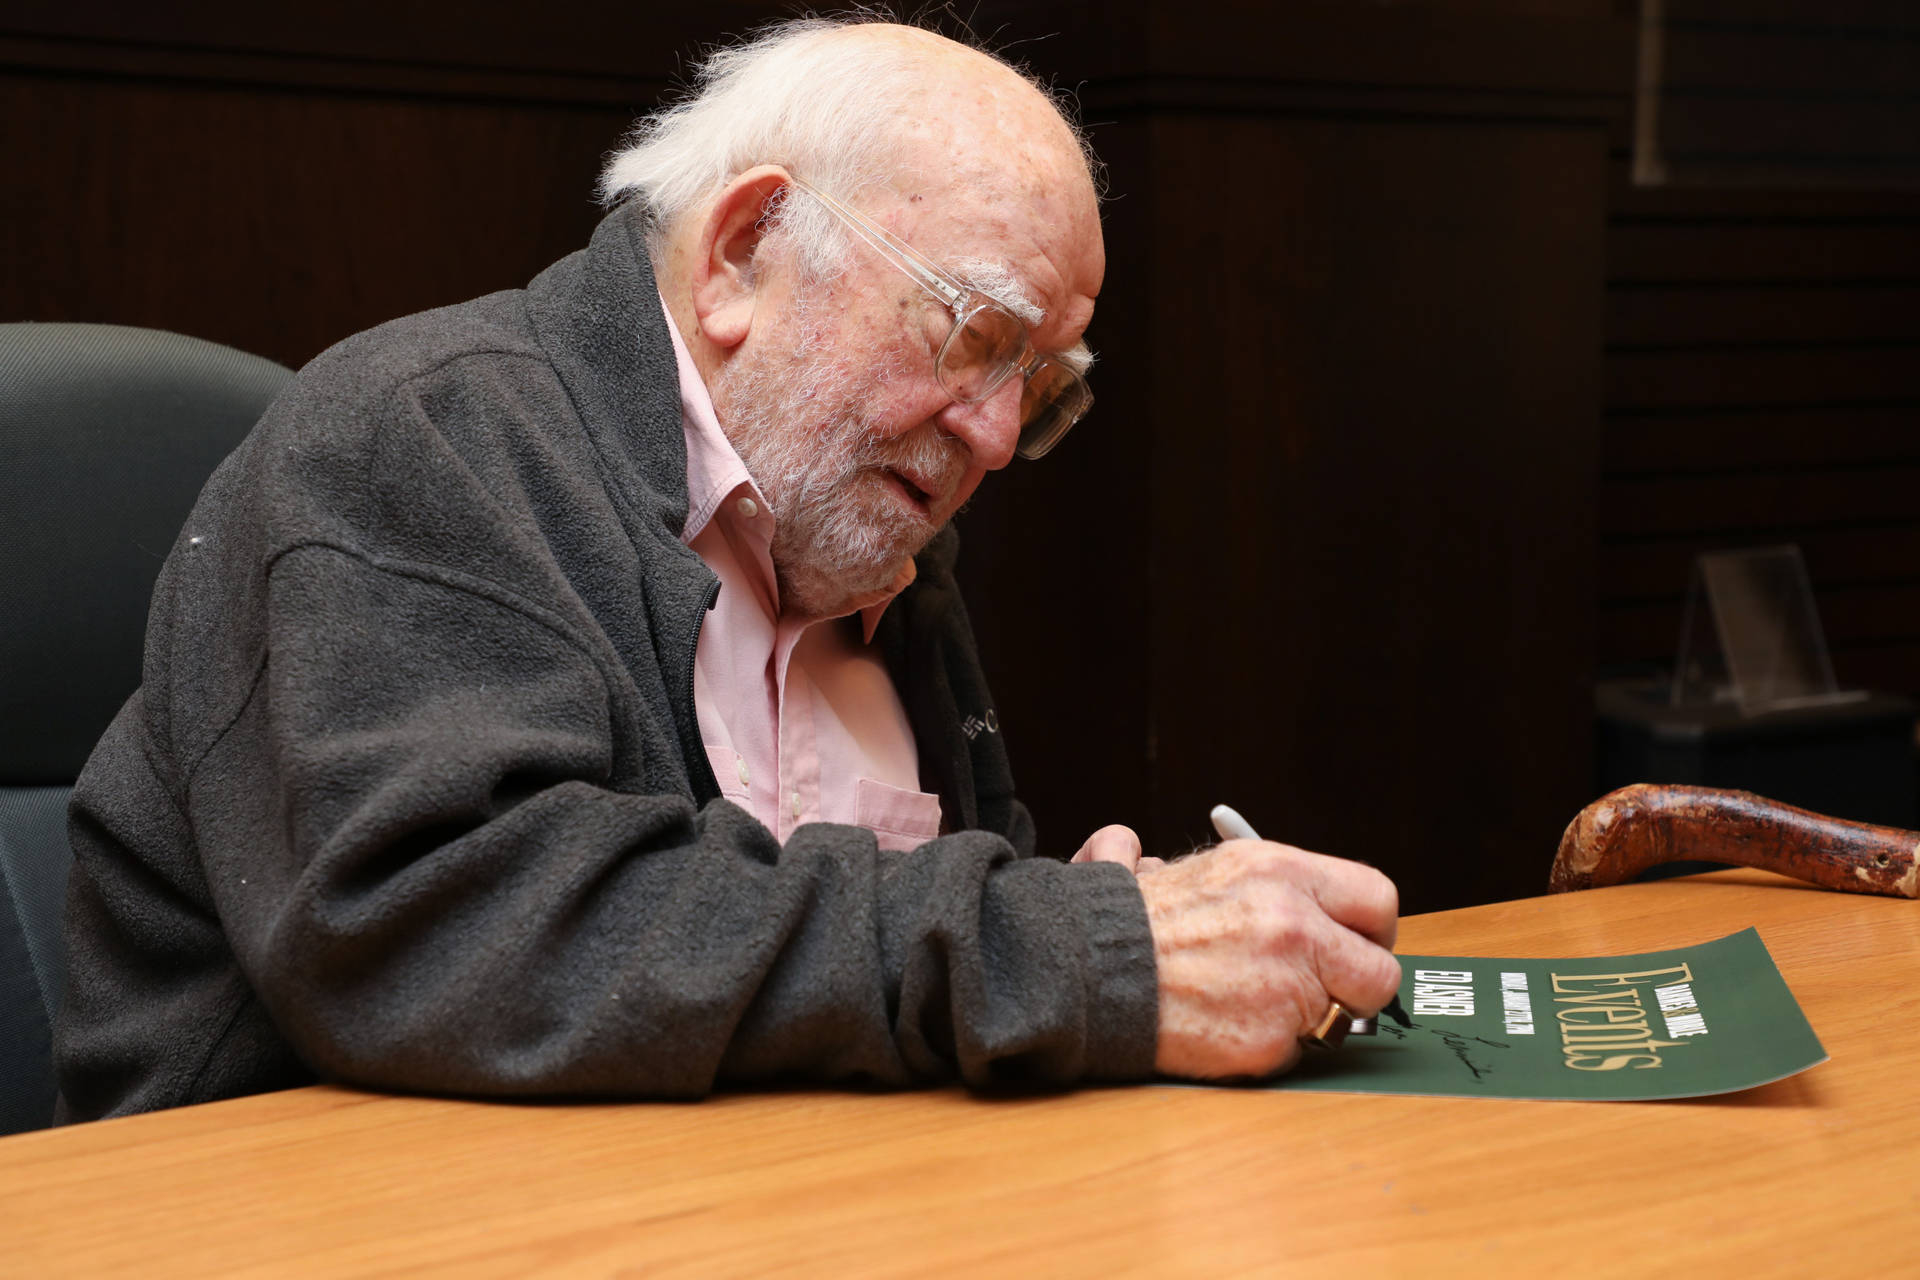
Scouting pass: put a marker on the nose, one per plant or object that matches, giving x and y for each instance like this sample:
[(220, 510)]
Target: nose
[(991, 428)]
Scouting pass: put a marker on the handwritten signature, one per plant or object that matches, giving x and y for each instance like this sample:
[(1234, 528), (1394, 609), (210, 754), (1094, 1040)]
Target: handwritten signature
[(1460, 1046)]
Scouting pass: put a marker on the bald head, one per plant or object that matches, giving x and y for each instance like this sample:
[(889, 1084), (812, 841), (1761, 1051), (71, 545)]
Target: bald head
[(974, 141), (963, 104), (973, 122)]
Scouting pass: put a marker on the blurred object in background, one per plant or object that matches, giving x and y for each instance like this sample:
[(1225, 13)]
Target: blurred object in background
[(1751, 635), (1753, 705)]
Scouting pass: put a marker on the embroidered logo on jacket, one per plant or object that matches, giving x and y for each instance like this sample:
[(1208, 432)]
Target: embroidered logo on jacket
[(972, 725)]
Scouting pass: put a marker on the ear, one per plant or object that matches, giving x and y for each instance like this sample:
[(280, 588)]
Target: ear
[(723, 274)]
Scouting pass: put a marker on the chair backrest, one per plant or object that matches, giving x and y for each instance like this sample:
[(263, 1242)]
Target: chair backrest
[(106, 436)]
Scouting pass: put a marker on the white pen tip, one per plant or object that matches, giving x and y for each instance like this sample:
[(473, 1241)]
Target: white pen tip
[(1230, 825)]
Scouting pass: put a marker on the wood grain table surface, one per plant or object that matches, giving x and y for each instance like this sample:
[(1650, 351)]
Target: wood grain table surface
[(1815, 1175)]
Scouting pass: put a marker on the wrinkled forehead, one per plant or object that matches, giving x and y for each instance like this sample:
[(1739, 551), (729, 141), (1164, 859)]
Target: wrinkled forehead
[(998, 180), (1034, 247), (989, 175)]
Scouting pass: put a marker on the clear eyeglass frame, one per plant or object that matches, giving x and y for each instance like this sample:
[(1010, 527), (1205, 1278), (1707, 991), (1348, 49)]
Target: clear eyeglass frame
[(987, 345)]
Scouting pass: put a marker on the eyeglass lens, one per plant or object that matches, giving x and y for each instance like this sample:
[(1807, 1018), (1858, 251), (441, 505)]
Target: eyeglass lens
[(984, 349), (981, 351), (1051, 402)]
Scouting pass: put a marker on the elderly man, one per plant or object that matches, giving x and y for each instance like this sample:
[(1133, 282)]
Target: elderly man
[(566, 693)]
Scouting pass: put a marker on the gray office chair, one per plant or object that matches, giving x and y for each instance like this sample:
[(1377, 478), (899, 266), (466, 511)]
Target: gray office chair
[(106, 435)]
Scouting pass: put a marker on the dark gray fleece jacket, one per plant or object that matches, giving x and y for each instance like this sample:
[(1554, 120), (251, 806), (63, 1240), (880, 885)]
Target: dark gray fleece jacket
[(413, 795)]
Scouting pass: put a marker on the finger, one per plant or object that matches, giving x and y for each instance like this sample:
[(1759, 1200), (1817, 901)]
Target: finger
[(1114, 843), (1351, 893), (1363, 977)]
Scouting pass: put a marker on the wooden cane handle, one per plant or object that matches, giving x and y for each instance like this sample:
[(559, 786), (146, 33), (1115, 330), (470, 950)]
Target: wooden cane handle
[(1622, 834)]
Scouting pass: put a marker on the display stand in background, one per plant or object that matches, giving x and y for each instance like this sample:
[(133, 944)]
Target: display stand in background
[(1751, 635), (1753, 704)]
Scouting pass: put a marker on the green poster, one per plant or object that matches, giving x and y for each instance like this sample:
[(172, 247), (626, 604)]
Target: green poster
[(1706, 1019)]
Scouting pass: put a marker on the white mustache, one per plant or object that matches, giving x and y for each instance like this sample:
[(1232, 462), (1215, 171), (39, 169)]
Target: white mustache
[(934, 460)]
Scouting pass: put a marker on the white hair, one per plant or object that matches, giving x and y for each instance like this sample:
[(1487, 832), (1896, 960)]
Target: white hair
[(790, 94)]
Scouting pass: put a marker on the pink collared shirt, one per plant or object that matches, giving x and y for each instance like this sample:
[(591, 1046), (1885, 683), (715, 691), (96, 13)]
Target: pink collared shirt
[(800, 719)]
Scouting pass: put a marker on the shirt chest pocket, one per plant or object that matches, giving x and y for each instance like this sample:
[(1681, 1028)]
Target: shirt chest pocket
[(899, 819)]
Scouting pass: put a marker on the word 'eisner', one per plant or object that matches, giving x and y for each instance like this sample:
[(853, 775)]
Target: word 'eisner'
[(1604, 1025), (1442, 993)]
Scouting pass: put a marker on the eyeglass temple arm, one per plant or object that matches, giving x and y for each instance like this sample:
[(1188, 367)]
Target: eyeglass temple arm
[(902, 255), (928, 276)]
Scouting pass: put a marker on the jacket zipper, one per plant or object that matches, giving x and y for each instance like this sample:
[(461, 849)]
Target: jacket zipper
[(702, 766)]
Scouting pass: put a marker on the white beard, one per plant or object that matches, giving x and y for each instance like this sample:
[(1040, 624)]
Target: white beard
[(802, 430)]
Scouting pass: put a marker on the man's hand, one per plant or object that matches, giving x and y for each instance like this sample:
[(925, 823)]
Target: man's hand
[(1116, 844), (1253, 941)]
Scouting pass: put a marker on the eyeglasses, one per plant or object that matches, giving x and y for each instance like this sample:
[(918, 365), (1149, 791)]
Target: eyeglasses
[(987, 345)]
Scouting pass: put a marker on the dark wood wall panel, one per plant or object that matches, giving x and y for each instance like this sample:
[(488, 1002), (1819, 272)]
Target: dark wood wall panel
[(1839, 557), (1763, 387), (1379, 575), (1757, 503), (507, 46), (1667, 315), (270, 219), (1650, 249), (1855, 614), (1799, 435), (1781, 92), (1761, 374), (1793, 55)]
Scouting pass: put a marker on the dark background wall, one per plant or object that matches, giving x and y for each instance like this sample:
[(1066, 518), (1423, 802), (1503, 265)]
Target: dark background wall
[(1412, 409), (1763, 386)]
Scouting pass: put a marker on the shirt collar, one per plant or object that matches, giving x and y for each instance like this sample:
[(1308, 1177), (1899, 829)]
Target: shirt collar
[(714, 470)]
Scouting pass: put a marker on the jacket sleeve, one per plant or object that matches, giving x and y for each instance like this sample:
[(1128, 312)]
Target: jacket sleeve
[(424, 843)]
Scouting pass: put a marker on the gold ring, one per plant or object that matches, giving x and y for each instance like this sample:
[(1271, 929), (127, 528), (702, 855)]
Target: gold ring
[(1332, 1028)]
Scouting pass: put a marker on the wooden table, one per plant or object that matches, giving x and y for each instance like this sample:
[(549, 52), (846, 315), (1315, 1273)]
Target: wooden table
[(1818, 1174)]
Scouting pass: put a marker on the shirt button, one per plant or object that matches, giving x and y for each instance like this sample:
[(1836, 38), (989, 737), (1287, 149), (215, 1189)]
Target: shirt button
[(740, 766), (796, 804), (749, 508)]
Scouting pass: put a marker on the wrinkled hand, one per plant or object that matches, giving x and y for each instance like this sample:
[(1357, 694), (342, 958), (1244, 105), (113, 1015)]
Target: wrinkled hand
[(1116, 844), (1253, 941)]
